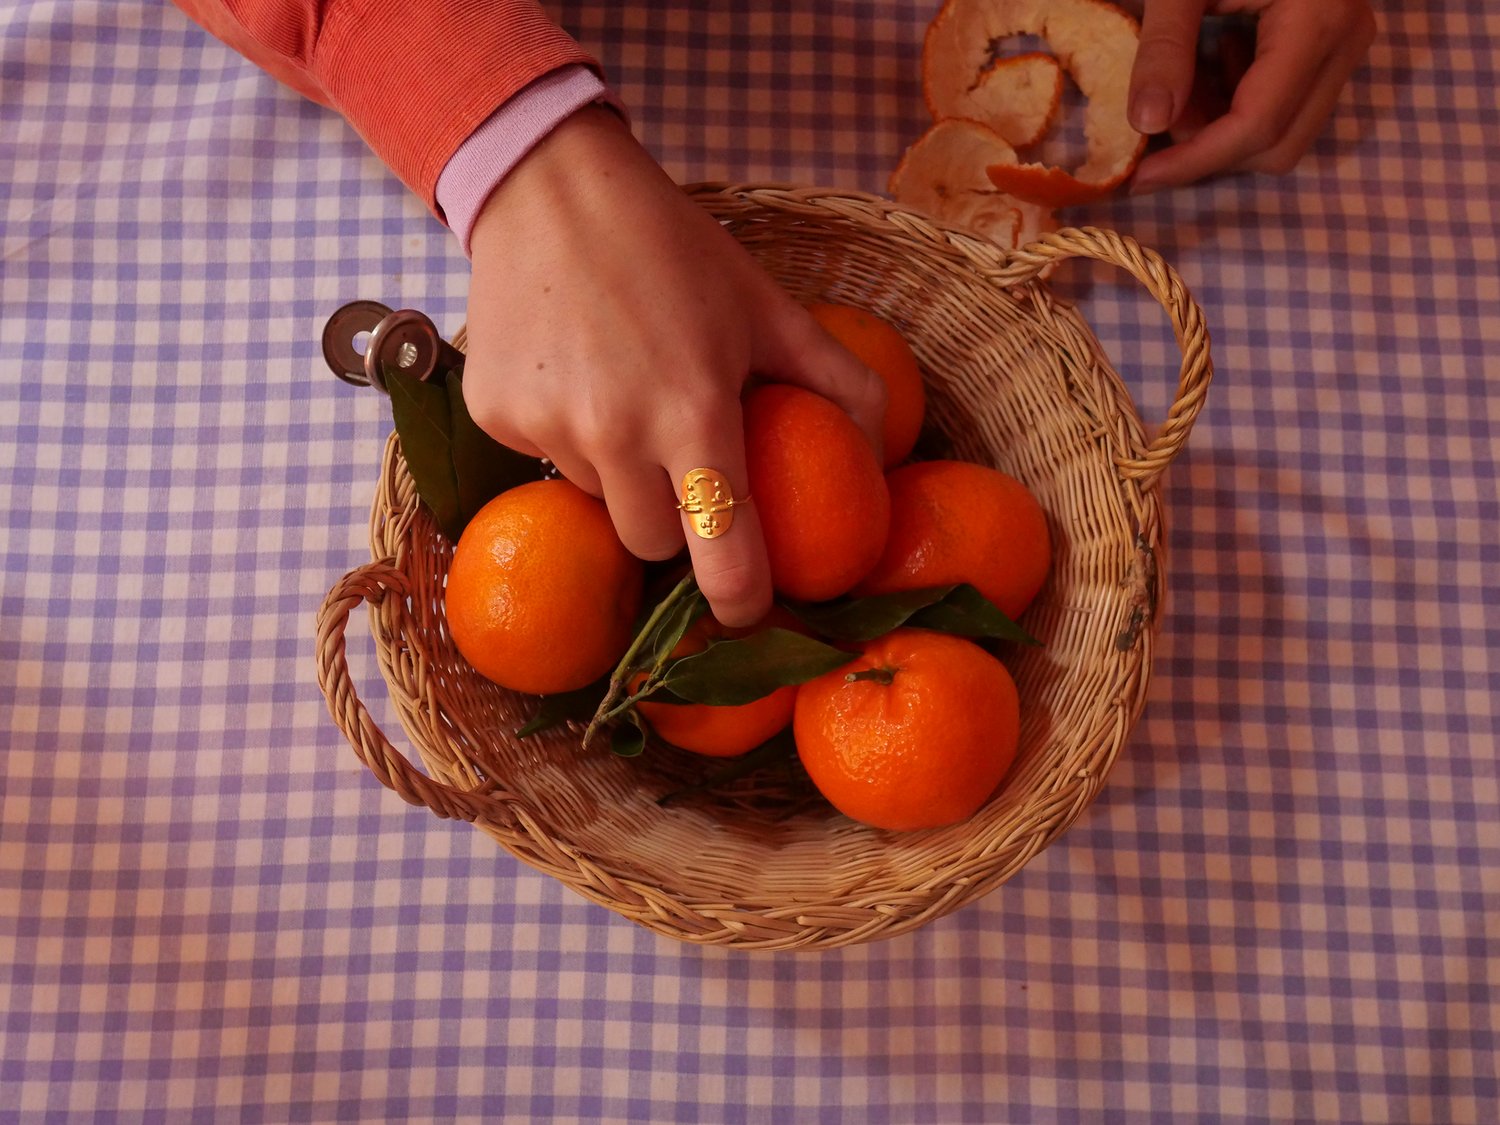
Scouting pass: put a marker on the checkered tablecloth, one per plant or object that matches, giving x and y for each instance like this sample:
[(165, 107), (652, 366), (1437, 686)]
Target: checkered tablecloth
[(1283, 907)]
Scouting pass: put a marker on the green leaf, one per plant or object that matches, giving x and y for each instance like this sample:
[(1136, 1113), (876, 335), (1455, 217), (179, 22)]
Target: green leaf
[(555, 710), (677, 620), (629, 738), (660, 694), (778, 747), (482, 466), (864, 619), (737, 671), (637, 656), (424, 422), (958, 609), (456, 466), (968, 613)]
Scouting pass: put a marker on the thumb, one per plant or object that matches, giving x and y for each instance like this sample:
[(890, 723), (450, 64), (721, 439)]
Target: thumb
[(1162, 78), (795, 349)]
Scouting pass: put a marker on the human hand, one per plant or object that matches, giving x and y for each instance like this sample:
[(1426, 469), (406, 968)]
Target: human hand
[(612, 326), (1305, 52)]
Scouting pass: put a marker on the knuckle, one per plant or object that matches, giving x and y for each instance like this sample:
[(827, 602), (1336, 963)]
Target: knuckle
[(734, 588), (1280, 164), (483, 400), (1261, 136), (873, 394), (659, 550), (497, 417), (1166, 41), (650, 543), (1280, 160), (698, 416), (601, 430)]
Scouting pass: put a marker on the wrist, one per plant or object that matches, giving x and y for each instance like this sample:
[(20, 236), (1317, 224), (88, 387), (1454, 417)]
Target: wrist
[(587, 146), (503, 140)]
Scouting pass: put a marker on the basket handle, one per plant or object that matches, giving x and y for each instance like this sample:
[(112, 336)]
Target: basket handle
[(1163, 283), (373, 583)]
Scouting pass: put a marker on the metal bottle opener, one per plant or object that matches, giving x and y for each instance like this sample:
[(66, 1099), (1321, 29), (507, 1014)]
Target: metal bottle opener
[(405, 340)]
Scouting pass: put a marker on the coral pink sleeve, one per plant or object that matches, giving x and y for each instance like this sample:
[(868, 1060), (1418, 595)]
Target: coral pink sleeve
[(416, 79)]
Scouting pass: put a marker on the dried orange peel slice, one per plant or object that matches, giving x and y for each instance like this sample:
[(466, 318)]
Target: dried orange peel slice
[(943, 174), (1094, 41), (1017, 96)]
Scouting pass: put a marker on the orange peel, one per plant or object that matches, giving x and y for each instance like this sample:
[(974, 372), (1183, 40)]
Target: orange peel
[(1095, 43), (1018, 96), (943, 174)]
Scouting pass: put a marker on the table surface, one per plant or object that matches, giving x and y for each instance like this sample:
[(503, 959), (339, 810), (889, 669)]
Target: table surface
[(1282, 907)]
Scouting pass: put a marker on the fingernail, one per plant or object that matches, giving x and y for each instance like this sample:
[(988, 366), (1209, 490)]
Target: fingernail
[(1151, 110), (1139, 186)]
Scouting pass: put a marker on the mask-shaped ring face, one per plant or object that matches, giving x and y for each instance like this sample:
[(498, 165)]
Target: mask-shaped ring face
[(708, 503)]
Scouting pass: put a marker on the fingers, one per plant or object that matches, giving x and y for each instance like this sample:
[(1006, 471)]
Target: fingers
[(577, 470), (795, 349), (1263, 107), (1162, 78), (732, 569), (642, 498), (641, 487), (1319, 103), (642, 503), (643, 493), (1304, 56)]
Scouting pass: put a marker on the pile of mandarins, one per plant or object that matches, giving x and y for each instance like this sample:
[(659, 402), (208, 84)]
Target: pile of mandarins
[(919, 727)]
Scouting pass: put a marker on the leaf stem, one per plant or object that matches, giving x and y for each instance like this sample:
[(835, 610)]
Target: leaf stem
[(648, 687), (610, 706)]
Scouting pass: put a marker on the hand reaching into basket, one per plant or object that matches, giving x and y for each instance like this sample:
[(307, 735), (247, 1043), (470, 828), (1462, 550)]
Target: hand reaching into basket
[(612, 327), (1262, 114)]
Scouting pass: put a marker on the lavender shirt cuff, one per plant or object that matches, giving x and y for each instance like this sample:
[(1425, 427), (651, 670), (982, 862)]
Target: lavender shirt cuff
[(507, 135)]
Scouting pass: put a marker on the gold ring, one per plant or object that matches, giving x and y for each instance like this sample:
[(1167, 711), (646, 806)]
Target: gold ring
[(708, 502)]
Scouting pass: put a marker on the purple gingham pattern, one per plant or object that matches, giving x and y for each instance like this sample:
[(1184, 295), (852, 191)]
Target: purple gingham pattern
[(1282, 907)]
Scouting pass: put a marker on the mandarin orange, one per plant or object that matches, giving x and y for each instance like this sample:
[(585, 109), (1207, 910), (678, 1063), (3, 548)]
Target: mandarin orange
[(955, 521), (916, 733), (818, 488), (727, 731), (542, 595)]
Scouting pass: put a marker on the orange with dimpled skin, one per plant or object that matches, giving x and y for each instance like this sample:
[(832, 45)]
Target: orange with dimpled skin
[(541, 594), (916, 733), (818, 488), (955, 521)]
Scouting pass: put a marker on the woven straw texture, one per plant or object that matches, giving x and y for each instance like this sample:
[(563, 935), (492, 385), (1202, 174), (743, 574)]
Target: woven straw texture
[(1016, 380)]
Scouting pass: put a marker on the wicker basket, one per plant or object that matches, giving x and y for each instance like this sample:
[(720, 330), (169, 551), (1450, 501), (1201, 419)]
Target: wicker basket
[(1017, 380)]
